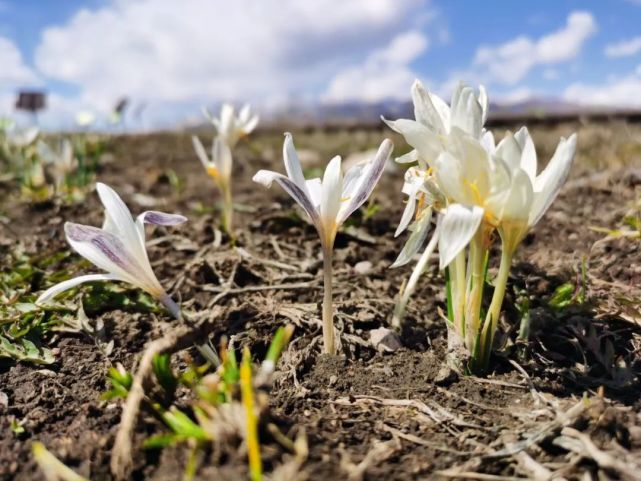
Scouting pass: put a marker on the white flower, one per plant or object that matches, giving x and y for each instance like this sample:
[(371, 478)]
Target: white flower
[(232, 128), (22, 137), (220, 164), (435, 120), (85, 118), (118, 248), (62, 161), (503, 179), (329, 202)]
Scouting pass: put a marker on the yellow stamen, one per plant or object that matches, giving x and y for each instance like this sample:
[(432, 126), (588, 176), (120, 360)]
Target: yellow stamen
[(213, 172)]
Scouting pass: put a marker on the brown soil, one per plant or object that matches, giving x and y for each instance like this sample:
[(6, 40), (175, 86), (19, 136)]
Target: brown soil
[(367, 415)]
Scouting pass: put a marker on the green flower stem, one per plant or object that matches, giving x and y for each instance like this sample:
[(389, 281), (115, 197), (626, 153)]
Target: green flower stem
[(493, 313), (475, 288), (458, 284), (401, 306)]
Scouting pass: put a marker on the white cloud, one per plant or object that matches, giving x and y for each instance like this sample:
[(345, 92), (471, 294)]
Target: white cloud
[(204, 50), (625, 48), (510, 62), (13, 71), (385, 74), (621, 92)]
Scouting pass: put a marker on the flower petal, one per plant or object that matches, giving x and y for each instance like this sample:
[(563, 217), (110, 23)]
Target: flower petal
[(314, 187), (107, 252), (416, 239), (267, 177), (59, 288), (157, 218), (409, 158), (292, 163), (518, 200), (119, 221), (200, 152), (510, 151), (466, 111), (484, 103), (427, 143), (424, 110), (549, 182), (221, 155), (251, 124), (528, 152), (331, 193), (370, 176), (458, 225)]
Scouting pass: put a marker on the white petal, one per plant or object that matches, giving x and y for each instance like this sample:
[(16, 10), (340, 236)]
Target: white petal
[(458, 225), (200, 152), (243, 115), (267, 177), (510, 151), (416, 239), (528, 152), (487, 141), (59, 288), (466, 112), (484, 103), (292, 163), (424, 111), (409, 158), (226, 120), (428, 143), (46, 153), (408, 214), (118, 219), (314, 187), (67, 152), (448, 174), (221, 155), (518, 201), (157, 218), (331, 192), (251, 124), (368, 180), (549, 182), (109, 253)]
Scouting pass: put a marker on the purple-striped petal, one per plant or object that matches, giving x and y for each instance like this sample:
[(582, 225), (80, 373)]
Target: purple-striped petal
[(267, 177), (371, 175)]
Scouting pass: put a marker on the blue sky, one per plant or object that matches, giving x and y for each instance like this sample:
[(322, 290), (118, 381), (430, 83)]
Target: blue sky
[(172, 56)]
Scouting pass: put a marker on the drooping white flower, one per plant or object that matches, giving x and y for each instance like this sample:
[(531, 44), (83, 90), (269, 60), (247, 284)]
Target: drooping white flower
[(117, 248), (329, 202), (231, 127)]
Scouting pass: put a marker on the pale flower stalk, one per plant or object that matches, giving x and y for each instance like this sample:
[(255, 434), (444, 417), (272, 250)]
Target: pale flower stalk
[(499, 182), (328, 203), (118, 248)]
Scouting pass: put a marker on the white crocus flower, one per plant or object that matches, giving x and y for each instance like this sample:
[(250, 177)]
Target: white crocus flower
[(328, 203), (85, 119), (231, 127), (219, 167), (434, 120), (22, 137), (62, 161), (503, 179), (117, 248)]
